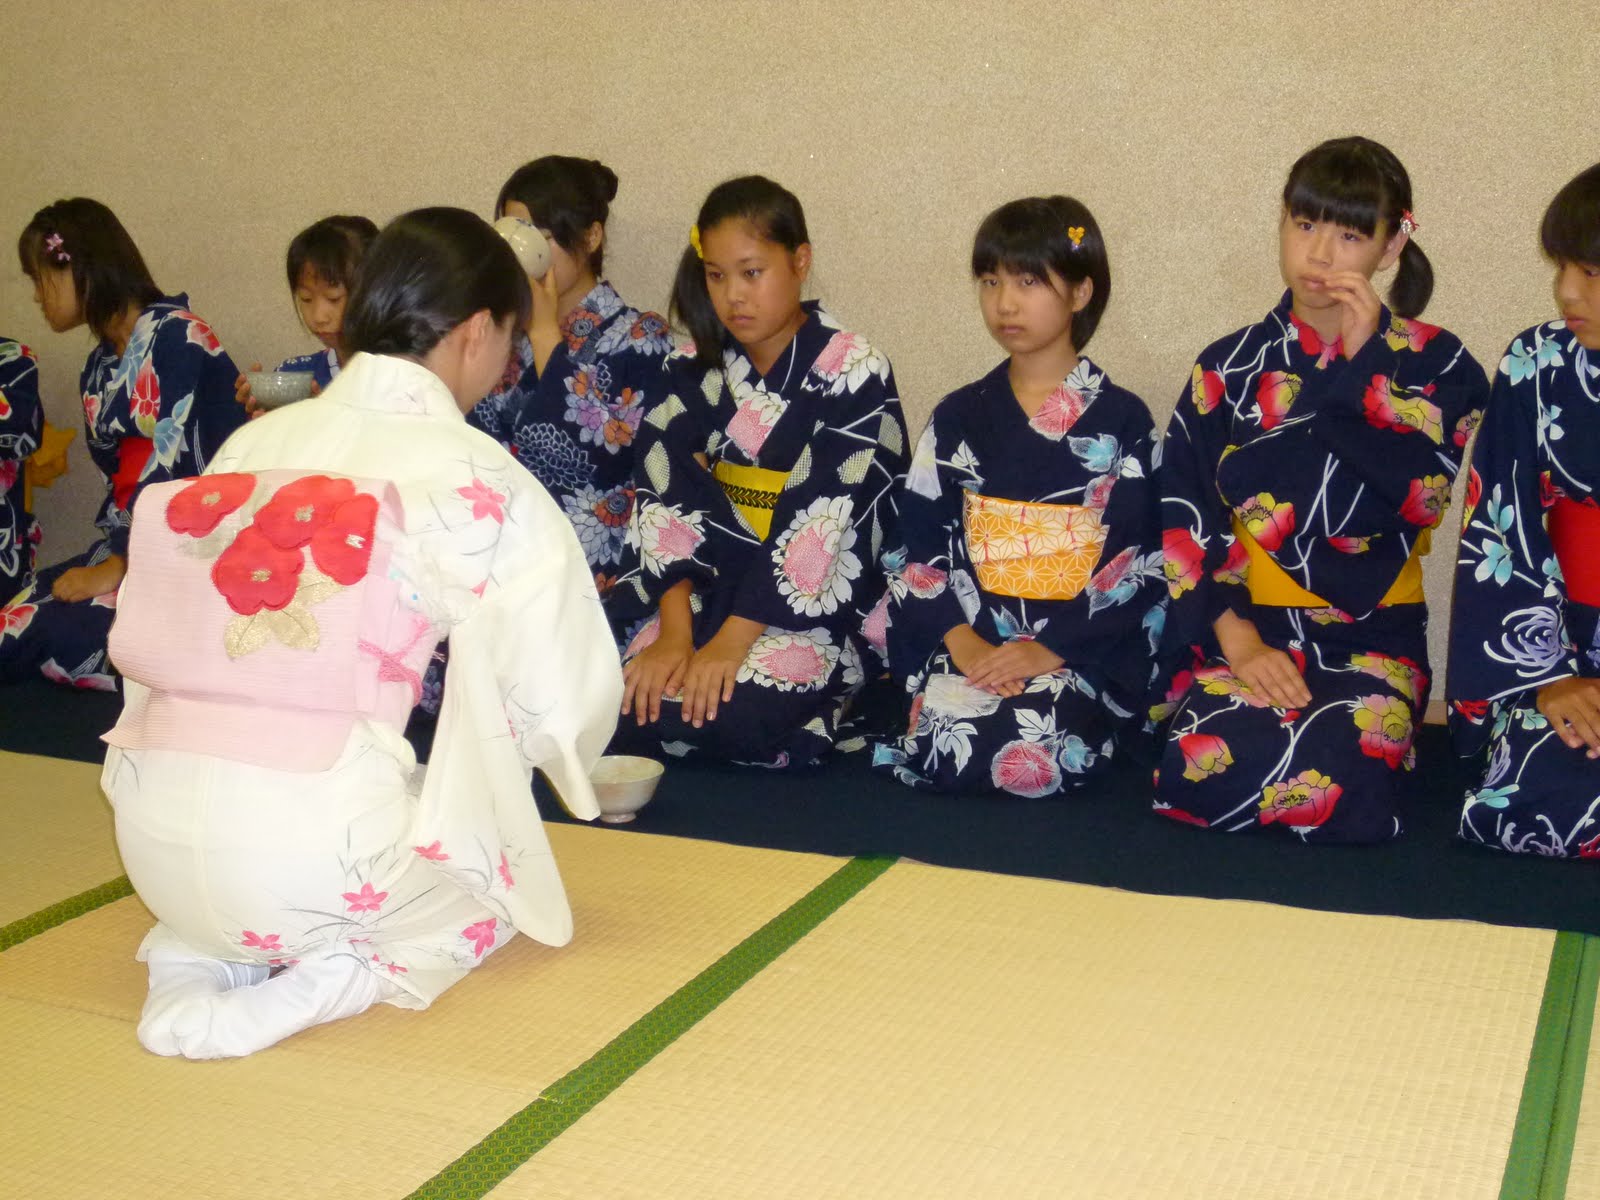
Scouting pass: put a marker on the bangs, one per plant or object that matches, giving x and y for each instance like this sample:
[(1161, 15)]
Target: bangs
[(30, 251), (1338, 185), (1012, 239), (1570, 231)]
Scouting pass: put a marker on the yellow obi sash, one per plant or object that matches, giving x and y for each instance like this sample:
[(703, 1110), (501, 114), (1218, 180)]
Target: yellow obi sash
[(1273, 587), (1032, 551), (46, 464), (754, 492)]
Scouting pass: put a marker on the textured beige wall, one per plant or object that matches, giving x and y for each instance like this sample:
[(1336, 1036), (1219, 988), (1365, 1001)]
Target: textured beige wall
[(218, 130)]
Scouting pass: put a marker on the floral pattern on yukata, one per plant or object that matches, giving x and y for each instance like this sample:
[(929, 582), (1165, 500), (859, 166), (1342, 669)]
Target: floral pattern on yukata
[(1335, 466), (1514, 627), (1091, 444), (827, 415)]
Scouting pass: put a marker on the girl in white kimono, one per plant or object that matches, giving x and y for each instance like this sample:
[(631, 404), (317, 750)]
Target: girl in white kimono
[(276, 618)]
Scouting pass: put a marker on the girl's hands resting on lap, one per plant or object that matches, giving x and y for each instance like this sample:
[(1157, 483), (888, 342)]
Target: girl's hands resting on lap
[(1012, 665), (85, 583), (968, 649), (655, 672), (710, 678), (1572, 706), (1270, 673)]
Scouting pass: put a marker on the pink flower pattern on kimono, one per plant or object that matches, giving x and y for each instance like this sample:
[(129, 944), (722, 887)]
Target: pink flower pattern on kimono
[(816, 565), (481, 934), (260, 941), (15, 618), (1221, 681), (1206, 389), (789, 661), (366, 900), (1059, 412), (485, 501), (1304, 801), (1025, 768), (431, 852), (505, 871), (923, 581)]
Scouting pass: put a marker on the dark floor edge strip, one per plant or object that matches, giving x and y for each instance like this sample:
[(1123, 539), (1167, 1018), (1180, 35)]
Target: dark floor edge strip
[(1530, 1137), (60, 913), (560, 1105)]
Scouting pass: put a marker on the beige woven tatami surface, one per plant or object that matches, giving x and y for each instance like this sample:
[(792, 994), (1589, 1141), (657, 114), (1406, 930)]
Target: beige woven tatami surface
[(57, 833), (951, 1034), (372, 1106)]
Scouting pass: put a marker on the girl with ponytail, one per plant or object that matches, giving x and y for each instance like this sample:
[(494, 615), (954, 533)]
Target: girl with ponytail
[(756, 601), (1304, 469)]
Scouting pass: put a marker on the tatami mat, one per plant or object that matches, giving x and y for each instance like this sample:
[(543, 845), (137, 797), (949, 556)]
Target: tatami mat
[(1583, 1181), (957, 1034), (57, 833), (372, 1106)]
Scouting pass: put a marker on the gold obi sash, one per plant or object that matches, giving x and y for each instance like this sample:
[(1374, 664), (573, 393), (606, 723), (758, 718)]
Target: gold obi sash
[(1273, 587), (754, 492), (1032, 551), (47, 463)]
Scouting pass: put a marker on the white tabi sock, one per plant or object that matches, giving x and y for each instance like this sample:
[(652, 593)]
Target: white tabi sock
[(239, 1022), (180, 981)]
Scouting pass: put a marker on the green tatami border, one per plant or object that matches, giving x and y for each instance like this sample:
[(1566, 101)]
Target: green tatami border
[(1547, 1116), (561, 1104), (62, 911)]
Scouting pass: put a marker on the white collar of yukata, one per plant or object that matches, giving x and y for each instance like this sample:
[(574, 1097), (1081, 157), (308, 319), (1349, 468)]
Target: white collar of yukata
[(383, 383)]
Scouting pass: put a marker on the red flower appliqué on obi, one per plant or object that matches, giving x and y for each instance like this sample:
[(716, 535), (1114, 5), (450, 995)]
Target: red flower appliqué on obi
[(343, 547), (253, 574), (301, 508), (200, 507)]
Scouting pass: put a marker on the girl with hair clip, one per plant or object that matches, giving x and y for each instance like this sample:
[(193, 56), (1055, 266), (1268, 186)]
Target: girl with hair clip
[(21, 430), (1524, 677), (322, 263), (157, 403), (1304, 468), (1029, 586), (277, 617), (764, 494), (579, 381)]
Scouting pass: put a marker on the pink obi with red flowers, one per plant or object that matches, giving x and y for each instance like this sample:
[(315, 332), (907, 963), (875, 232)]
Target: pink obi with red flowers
[(1574, 528), (259, 611)]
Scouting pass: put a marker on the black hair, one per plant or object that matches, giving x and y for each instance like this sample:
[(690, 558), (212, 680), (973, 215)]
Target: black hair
[(1034, 237), (1360, 184), (427, 272), (564, 196), (333, 248), (84, 235), (1570, 231), (775, 213)]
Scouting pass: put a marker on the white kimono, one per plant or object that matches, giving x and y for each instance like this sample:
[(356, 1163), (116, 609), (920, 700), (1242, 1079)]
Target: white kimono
[(417, 880)]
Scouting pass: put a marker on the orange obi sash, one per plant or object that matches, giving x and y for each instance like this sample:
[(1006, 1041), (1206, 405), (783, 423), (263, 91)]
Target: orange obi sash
[(1574, 528), (1032, 551), (1273, 587)]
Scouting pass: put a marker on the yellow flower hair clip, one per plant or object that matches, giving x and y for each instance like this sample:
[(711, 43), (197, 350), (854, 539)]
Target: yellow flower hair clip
[(1076, 236), (694, 240)]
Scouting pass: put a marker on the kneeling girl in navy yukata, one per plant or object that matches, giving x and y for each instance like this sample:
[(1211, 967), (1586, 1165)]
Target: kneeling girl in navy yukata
[(1525, 638), (157, 403), (1028, 589), (765, 479), (322, 263), (1304, 469)]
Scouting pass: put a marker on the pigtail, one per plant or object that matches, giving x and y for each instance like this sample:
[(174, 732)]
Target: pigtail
[(692, 310), (1413, 283)]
